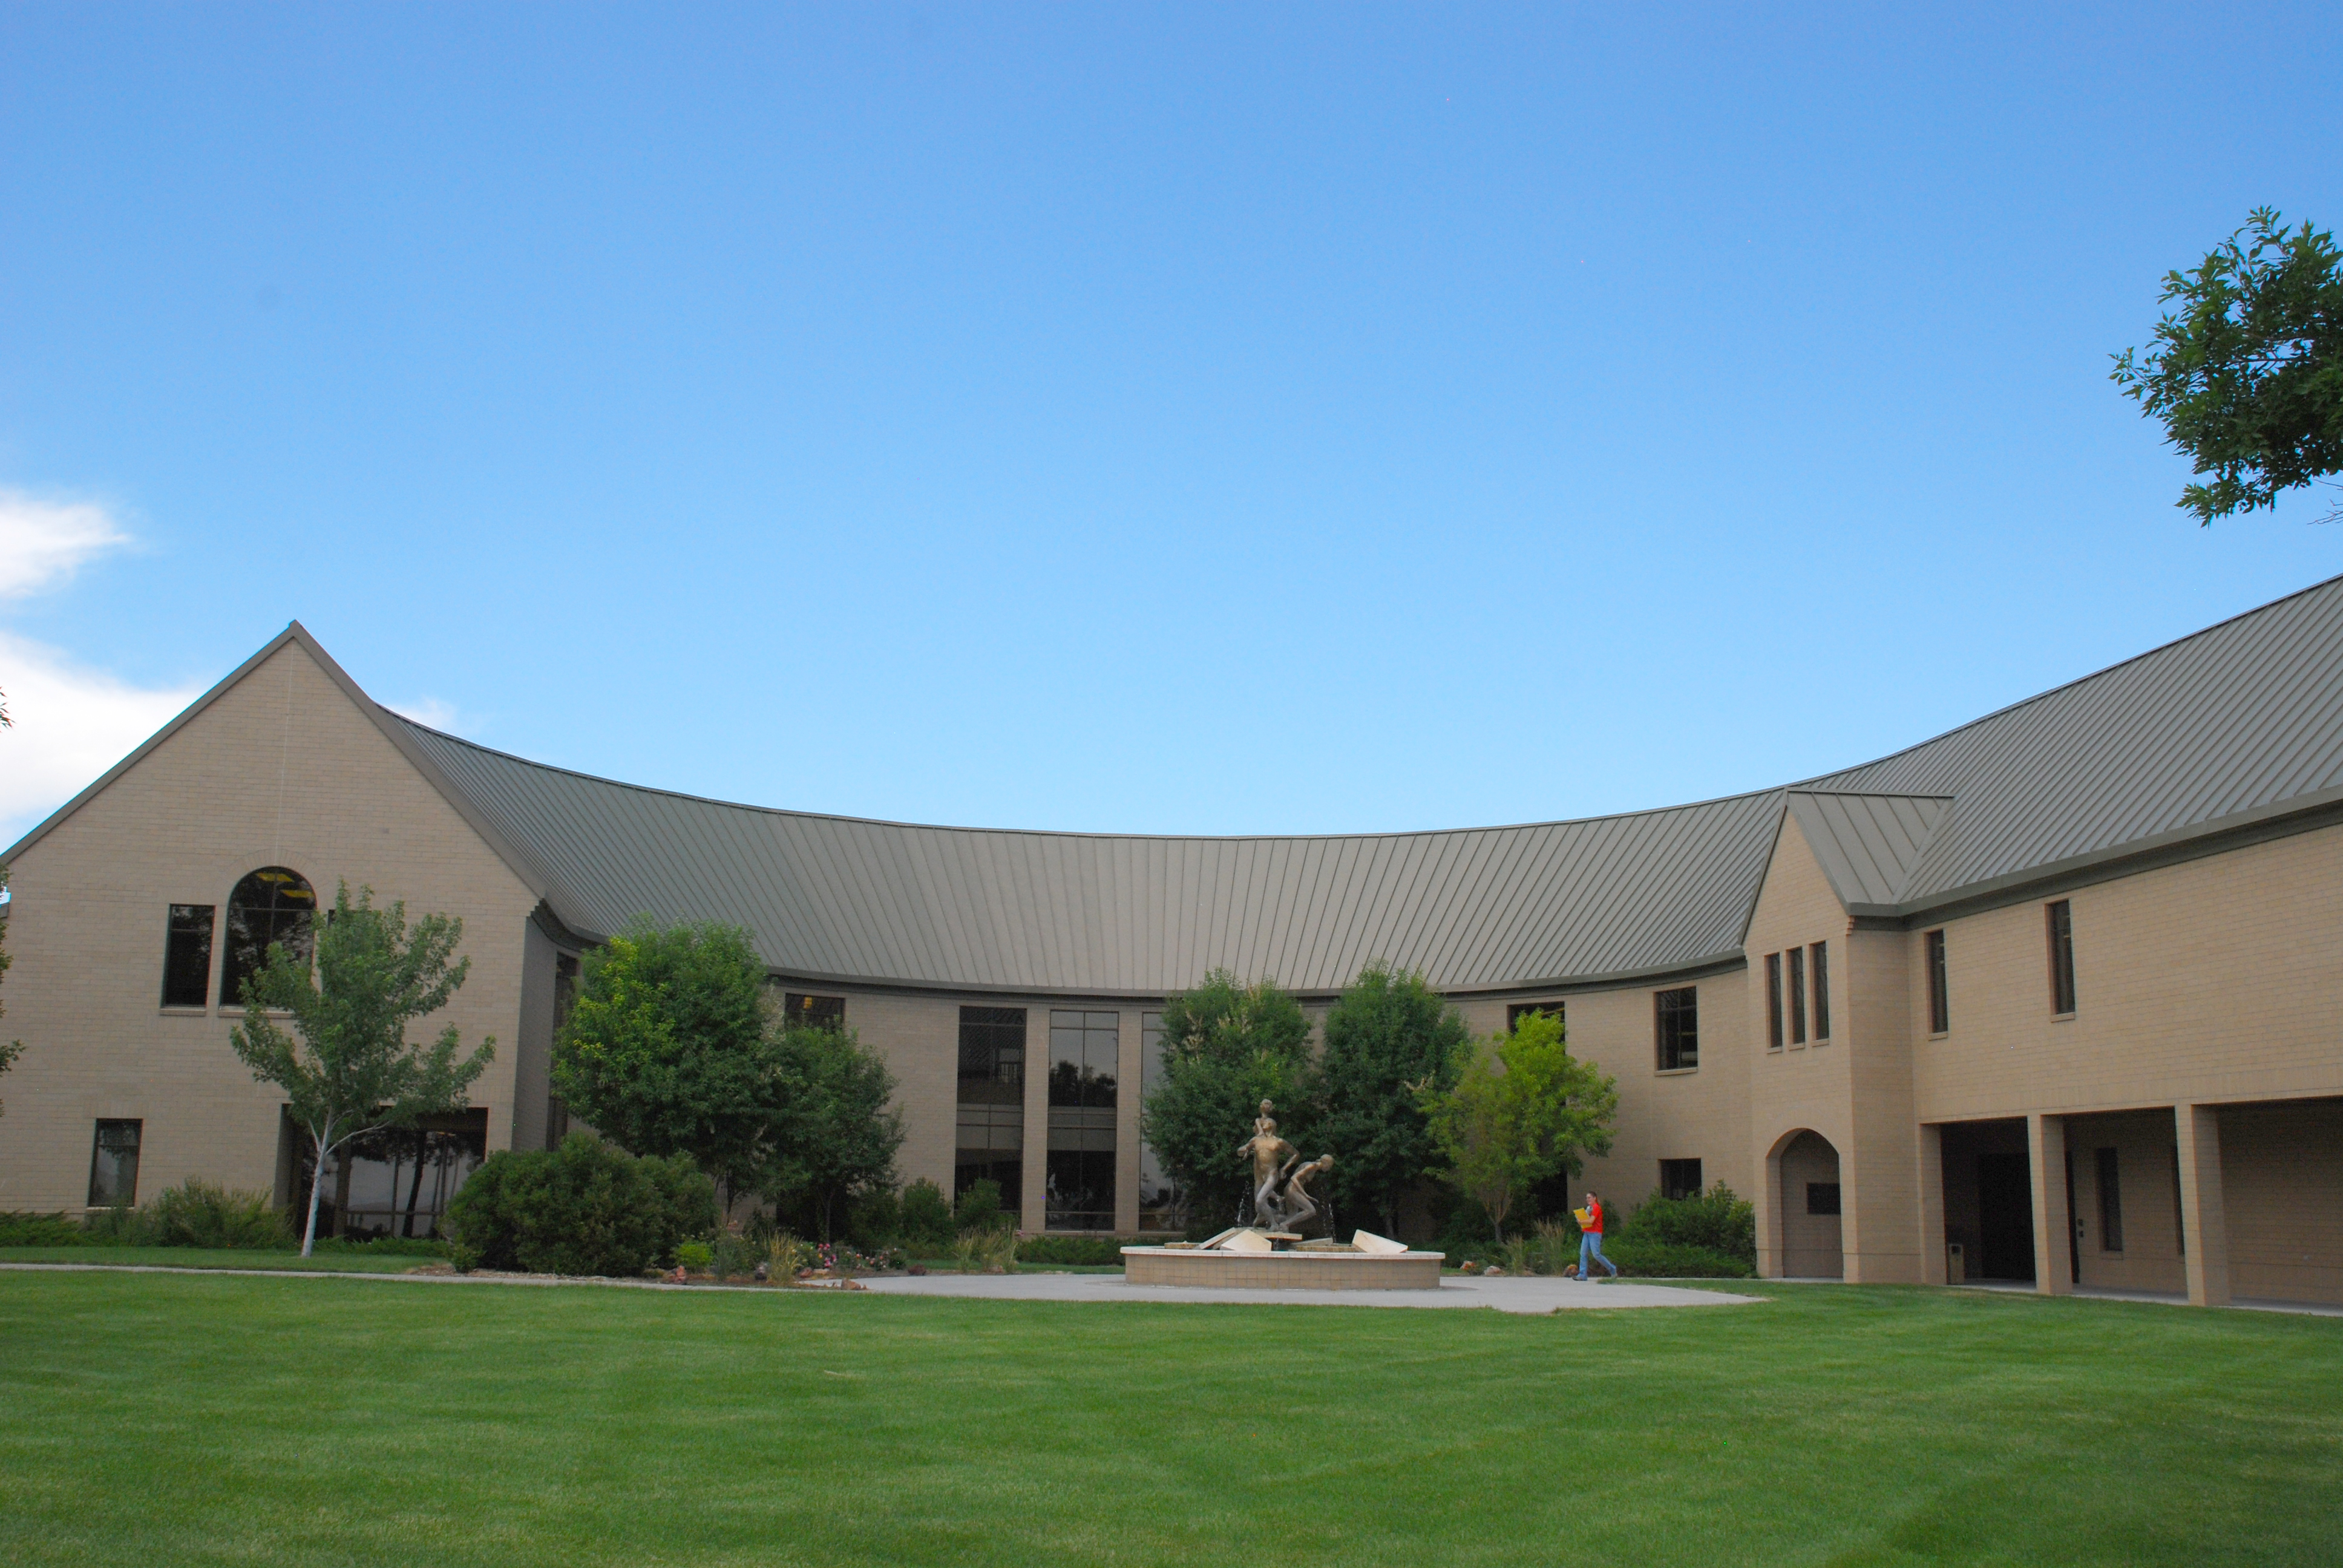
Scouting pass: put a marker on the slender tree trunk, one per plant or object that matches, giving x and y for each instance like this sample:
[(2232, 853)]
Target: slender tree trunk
[(415, 1188), (316, 1179)]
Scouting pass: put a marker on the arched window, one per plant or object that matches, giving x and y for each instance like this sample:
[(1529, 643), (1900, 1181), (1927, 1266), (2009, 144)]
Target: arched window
[(271, 905)]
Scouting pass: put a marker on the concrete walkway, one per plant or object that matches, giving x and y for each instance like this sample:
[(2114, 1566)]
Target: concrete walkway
[(1508, 1295)]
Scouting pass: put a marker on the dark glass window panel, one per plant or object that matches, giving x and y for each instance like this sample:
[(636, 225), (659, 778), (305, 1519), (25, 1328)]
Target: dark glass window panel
[(1009, 1174), (1676, 1022), (1821, 961), (2111, 1237), (270, 905), (1774, 1000), (1794, 961), (1940, 1005), (113, 1165), (187, 957), (992, 1055), (1081, 1189), (1521, 1010), (2062, 956), (807, 1012), (1822, 1197), (395, 1181), (565, 987), (1083, 1051), (1679, 1178)]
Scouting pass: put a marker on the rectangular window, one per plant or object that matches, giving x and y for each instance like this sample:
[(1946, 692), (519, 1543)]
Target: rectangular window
[(1940, 1011), (1676, 1017), (1774, 1002), (1822, 1197), (1521, 1010), (1679, 1177), (992, 1120), (1162, 1205), (2110, 1203), (187, 957), (1796, 961), (805, 1012), (113, 1166), (2062, 956), (1820, 958), (1084, 1048)]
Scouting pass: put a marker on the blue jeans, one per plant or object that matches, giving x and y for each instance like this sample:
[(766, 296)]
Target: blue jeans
[(1590, 1245)]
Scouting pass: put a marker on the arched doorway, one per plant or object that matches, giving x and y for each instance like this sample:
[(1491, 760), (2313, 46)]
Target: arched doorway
[(1809, 1200)]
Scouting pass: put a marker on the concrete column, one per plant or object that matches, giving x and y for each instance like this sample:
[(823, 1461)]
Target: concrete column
[(1931, 1204), (2045, 1145), (2204, 1214), (1769, 1219), (1126, 1122), (1033, 1210)]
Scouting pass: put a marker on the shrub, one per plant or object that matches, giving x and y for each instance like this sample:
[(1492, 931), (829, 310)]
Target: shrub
[(22, 1230), (1071, 1250), (197, 1213), (993, 1249), (697, 1256), (1648, 1258), (1715, 1220), (926, 1218), (978, 1209), (584, 1208), (875, 1219), (116, 1228)]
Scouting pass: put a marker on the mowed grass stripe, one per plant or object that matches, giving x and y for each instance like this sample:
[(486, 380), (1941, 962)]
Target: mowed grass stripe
[(195, 1419)]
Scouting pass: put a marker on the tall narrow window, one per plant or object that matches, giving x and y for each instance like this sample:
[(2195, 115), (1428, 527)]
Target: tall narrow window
[(1082, 1072), (1774, 1002), (2110, 1203), (187, 957), (1679, 1177), (2062, 956), (1676, 1017), (805, 1012), (991, 1138), (113, 1165), (1796, 960), (1940, 1011), (270, 905), (1820, 958)]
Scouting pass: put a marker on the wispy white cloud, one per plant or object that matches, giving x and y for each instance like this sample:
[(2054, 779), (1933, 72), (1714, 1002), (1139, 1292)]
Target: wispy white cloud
[(71, 724), (43, 542), (433, 714)]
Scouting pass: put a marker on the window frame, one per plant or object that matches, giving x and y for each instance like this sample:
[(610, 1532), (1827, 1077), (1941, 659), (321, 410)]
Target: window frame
[(1940, 985), (1675, 1029), (97, 1147), (1518, 1011), (812, 1010), (1794, 961), (1773, 1035), (173, 966), (1675, 1189), (1814, 1192), (1818, 955), (2058, 920)]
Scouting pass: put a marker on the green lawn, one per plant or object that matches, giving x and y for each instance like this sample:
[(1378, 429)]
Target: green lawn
[(210, 1258), (182, 1419)]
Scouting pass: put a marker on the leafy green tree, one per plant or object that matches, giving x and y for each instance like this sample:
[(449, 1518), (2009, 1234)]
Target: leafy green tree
[(1227, 1047), (1521, 1108), (838, 1140), (2247, 371), (669, 1048), (1389, 1038), (348, 1068)]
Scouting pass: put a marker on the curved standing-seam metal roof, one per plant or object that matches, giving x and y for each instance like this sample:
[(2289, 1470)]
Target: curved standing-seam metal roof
[(2241, 719)]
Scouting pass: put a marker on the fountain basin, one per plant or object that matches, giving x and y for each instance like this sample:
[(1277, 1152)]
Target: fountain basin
[(1292, 1270)]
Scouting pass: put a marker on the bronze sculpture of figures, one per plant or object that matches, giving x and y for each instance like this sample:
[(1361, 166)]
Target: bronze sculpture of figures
[(1280, 1201)]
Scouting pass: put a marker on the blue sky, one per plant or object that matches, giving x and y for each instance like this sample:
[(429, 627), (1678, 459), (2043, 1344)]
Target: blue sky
[(1279, 420)]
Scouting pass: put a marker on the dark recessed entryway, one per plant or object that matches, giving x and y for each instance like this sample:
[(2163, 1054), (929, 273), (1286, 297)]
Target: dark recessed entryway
[(1989, 1198)]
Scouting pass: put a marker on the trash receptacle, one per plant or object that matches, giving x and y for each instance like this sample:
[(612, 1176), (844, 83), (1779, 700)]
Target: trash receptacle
[(1956, 1265)]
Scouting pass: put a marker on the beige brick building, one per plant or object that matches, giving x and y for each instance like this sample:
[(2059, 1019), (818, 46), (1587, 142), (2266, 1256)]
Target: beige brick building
[(2057, 996)]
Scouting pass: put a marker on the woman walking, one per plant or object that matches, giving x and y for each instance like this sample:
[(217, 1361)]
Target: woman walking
[(1590, 1240)]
